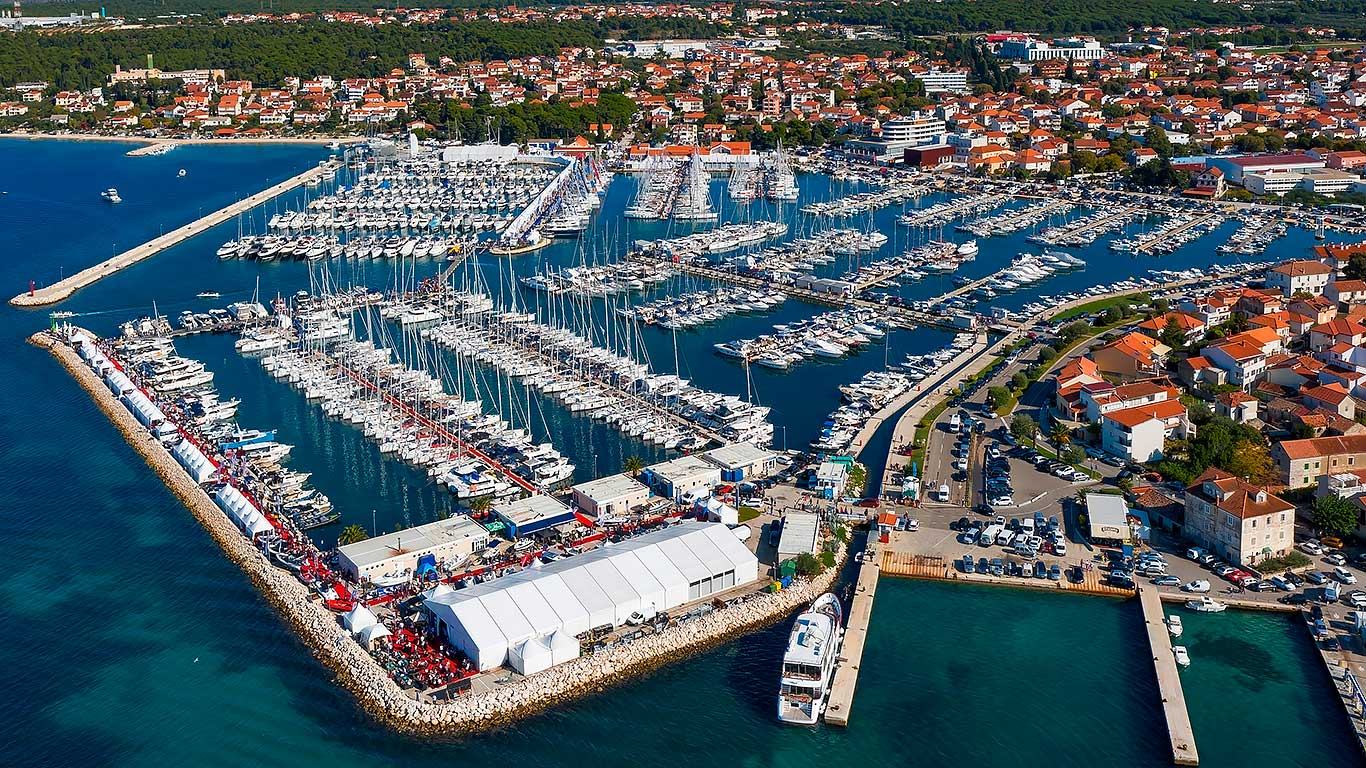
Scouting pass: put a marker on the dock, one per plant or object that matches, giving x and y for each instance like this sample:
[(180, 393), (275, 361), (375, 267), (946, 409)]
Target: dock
[(1179, 728), (855, 633), (63, 289), (1150, 241)]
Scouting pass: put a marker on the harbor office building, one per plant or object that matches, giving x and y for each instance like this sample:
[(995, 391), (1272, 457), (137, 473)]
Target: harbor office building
[(610, 495), (1107, 518), (532, 619), (537, 512), (742, 461), (450, 540), (684, 479)]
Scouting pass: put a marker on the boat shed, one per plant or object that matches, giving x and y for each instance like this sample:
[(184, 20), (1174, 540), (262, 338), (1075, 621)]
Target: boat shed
[(511, 620), (610, 495), (534, 513), (686, 475), (451, 540), (1107, 517), (742, 461), (801, 533)]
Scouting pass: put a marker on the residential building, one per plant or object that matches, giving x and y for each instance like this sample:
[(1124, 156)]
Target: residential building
[(1302, 462), (1239, 522)]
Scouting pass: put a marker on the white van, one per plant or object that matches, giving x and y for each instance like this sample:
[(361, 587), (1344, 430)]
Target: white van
[(943, 493), (1027, 525), (955, 422), (993, 535)]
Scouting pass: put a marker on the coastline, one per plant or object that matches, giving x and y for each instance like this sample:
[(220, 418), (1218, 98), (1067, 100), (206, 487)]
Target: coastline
[(361, 675), (159, 140)]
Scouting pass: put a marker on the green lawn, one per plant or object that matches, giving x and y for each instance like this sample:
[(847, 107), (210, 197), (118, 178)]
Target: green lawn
[(1100, 305)]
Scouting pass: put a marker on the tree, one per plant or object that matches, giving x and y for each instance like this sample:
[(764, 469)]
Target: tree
[(1172, 335), (1334, 516), (997, 398), (1059, 435), (1251, 460), (857, 480), (480, 505), (809, 565), (352, 534), (632, 465), (1157, 141), (1023, 427), (1019, 381)]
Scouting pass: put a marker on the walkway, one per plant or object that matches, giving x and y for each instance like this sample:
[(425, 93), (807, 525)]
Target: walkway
[(64, 288), (1168, 679), (855, 634)]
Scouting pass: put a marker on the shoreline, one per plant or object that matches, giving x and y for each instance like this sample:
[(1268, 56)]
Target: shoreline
[(160, 140), (361, 675)]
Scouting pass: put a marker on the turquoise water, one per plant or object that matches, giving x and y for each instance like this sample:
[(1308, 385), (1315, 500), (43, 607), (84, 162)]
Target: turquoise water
[(133, 643)]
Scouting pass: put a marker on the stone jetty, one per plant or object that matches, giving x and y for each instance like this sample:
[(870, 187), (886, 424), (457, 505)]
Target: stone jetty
[(62, 289), (367, 681)]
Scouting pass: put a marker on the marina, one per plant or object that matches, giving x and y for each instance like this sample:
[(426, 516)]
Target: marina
[(510, 330)]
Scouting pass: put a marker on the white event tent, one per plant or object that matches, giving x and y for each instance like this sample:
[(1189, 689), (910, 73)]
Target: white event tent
[(529, 620)]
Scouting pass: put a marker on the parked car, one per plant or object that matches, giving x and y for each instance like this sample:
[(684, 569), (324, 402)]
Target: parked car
[(1311, 547), (1167, 581), (1280, 582), (1223, 570), (1356, 598), (1199, 586), (1336, 558), (1343, 575), (1316, 577)]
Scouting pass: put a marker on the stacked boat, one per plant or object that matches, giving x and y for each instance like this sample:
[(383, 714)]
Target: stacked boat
[(600, 280)]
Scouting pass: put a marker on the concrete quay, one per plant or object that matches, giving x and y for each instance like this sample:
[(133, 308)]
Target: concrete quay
[(841, 702), (63, 289), (1179, 728)]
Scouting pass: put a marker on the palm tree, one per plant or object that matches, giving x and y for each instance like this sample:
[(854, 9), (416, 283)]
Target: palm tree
[(352, 534), (480, 505), (1060, 436), (632, 465)]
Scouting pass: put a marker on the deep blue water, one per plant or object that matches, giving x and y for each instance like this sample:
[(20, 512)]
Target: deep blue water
[(132, 642)]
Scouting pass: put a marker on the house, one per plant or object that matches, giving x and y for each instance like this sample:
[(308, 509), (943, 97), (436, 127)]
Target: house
[(1192, 328), (1140, 433), (1340, 330), (1243, 361), (1330, 397), (1197, 369), (1239, 522), (1104, 397), (1299, 276), (1209, 184), (1302, 462), (1068, 382), (682, 479), (1346, 291), (1239, 407), (1131, 356)]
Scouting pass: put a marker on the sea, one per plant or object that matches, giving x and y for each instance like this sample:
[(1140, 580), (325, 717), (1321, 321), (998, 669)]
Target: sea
[(133, 642)]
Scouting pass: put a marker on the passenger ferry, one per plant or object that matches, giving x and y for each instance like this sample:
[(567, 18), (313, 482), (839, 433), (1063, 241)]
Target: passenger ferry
[(809, 663)]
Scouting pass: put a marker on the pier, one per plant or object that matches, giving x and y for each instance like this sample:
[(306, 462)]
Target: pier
[(901, 315), (855, 633), (1179, 728), (1154, 239), (63, 289)]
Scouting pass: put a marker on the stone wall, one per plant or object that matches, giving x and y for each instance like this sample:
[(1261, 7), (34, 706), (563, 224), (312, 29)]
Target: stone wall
[(358, 672)]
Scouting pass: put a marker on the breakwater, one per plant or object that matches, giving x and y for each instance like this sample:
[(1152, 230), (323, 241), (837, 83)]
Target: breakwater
[(62, 289), (364, 678)]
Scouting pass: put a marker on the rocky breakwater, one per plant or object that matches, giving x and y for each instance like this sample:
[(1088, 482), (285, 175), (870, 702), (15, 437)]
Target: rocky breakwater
[(367, 681)]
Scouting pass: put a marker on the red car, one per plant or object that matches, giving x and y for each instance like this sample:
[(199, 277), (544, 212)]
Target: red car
[(1237, 576)]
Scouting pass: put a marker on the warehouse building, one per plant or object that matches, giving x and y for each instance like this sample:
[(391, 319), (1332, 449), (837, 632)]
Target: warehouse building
[(451, 540), (534, 513), (529, 620), (611, 495)]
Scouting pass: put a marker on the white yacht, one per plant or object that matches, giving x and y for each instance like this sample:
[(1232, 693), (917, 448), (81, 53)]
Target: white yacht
[(809, 663), (112, 195)]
